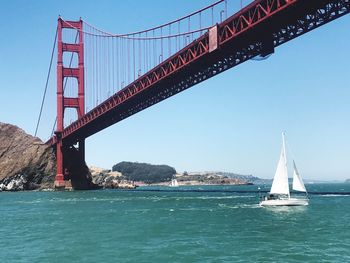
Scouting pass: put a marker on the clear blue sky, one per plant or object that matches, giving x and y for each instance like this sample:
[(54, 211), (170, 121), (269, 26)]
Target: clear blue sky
[(232, 122)]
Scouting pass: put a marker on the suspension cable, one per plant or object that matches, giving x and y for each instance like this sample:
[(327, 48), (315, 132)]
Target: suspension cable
[(46, 85), (154, 28), (101, 33), (132, 58)]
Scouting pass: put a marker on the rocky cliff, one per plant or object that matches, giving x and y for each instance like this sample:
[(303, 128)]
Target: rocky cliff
[(26, 163), (108, 179)]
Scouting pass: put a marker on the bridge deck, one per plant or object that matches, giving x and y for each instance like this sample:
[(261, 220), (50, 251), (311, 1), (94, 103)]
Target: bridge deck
[(255, 30)]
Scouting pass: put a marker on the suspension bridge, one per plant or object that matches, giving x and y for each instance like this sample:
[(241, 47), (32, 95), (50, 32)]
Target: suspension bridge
[(103, 78)]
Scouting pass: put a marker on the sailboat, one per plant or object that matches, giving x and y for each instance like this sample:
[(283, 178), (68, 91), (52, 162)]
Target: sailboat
[(174, 183), (279, 194)]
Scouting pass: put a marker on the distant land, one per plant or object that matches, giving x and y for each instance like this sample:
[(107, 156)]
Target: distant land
[(213, 178), (149, 174), (26, 163)]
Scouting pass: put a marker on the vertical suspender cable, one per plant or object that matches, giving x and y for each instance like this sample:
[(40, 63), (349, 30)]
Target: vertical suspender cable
[(145, 55), (200, 22), (117, 64), (128, 70), (133, 55), (161, 44), (113, 59), (154, 51), (140, 57), (108, 55), (169, 41)]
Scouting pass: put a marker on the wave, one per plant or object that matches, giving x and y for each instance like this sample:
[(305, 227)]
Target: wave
[(240, 206), (209, 197), (334, 195)]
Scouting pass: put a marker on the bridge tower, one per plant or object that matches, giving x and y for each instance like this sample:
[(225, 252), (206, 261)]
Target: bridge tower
[(64, 102)]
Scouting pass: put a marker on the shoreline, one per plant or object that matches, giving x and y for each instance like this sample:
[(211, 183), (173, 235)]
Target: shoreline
[(167, 184)]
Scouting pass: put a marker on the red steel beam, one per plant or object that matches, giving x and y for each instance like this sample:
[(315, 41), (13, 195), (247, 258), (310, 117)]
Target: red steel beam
[(70, 47), (71, 72), (71, 102), (181, 59), (240, 37)]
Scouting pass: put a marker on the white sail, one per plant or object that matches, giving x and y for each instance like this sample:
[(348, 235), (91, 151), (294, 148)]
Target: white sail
[(280, 181), (298, 183), (174, 183), (280, 185)]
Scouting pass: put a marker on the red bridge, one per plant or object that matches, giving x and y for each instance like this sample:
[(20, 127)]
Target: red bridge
[(110, 77)]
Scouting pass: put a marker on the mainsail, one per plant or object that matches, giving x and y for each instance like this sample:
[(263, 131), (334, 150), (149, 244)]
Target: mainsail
[(280, 180), (298, 183), (279, 193)]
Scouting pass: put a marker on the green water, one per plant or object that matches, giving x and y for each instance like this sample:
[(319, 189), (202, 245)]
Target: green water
[(139, 226)]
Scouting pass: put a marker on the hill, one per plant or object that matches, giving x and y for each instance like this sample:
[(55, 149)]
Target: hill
[(144, 172), (26, 163)]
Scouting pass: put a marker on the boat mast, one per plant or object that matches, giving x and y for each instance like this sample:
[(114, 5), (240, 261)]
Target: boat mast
[(285, 158)]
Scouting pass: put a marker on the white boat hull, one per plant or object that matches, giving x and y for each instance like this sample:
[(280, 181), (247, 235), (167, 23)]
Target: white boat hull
[(284, 202), (174, 183)]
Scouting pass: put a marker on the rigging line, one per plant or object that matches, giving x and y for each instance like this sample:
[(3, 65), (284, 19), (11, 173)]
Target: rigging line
[(290, 150), (65, 82), (53, 128), (46, 85)]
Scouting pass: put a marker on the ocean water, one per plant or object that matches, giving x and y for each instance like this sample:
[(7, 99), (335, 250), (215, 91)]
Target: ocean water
[(216, 224)]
